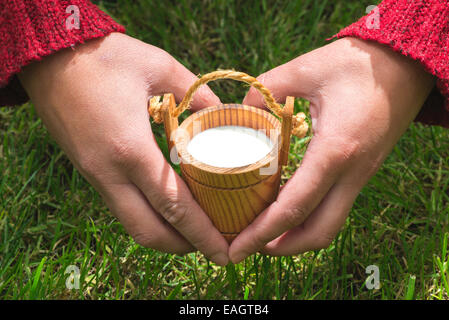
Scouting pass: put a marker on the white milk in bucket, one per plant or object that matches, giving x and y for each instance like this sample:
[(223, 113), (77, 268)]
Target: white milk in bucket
[(229, 146)]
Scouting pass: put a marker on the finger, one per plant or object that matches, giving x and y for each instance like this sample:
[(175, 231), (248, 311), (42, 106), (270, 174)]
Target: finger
[(202, 98), (179, 80), (147, 228), (289, 79), (322, 165), (321, 227), (170, 196)]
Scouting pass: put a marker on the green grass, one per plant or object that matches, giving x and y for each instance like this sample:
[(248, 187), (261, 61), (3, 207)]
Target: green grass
[(51, 218)]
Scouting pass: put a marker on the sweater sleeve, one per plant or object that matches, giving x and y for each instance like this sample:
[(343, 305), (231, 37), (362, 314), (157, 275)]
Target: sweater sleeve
[(33, 29), (418, 29)]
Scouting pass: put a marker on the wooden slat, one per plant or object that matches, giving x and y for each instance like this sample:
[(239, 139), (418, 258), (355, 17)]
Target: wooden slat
[(286, 131), (232, 197)]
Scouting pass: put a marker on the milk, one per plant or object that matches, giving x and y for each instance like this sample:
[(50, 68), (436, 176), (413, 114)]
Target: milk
[(229, 146)]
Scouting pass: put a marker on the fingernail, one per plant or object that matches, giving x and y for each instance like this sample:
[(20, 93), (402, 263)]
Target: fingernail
[(220, 259)]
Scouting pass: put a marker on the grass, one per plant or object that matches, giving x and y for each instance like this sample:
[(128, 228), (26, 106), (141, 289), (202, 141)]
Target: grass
[(51, 218)]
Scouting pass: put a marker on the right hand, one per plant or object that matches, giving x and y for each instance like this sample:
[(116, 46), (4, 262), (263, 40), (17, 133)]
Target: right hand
[(93, 101), (363, 97)]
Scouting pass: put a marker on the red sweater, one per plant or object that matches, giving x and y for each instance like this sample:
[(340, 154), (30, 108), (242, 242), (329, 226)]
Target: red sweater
[(418, 29), (33, 29)]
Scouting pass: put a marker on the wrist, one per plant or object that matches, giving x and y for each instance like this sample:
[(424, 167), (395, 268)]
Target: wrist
[(387, 67)]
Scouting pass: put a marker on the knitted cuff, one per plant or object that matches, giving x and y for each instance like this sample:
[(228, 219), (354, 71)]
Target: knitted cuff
[(418, 29), (33, 29)]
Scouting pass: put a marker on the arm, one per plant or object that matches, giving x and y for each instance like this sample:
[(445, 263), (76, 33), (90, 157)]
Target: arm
[(419, 30), (33, 29)]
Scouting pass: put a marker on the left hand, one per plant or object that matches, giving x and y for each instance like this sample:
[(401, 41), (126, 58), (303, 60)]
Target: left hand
[(93, 101), (363, 96)]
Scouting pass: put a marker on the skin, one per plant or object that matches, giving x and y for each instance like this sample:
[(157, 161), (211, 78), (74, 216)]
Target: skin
[(363, 97), (93, 101)]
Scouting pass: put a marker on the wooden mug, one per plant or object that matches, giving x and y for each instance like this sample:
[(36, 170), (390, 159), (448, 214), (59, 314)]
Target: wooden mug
[(231, 197)]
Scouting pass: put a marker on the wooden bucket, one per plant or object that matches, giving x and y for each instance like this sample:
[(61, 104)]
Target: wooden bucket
[(231, 197)]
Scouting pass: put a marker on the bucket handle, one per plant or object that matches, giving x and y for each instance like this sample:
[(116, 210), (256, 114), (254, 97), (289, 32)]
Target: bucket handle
[(167, 112)]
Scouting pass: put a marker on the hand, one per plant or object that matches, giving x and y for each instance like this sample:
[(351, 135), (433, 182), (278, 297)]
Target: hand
[(363, 96), (93, 100)]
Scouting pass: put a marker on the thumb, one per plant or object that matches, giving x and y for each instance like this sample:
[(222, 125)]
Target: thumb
[(289, 79), (182, 80)]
